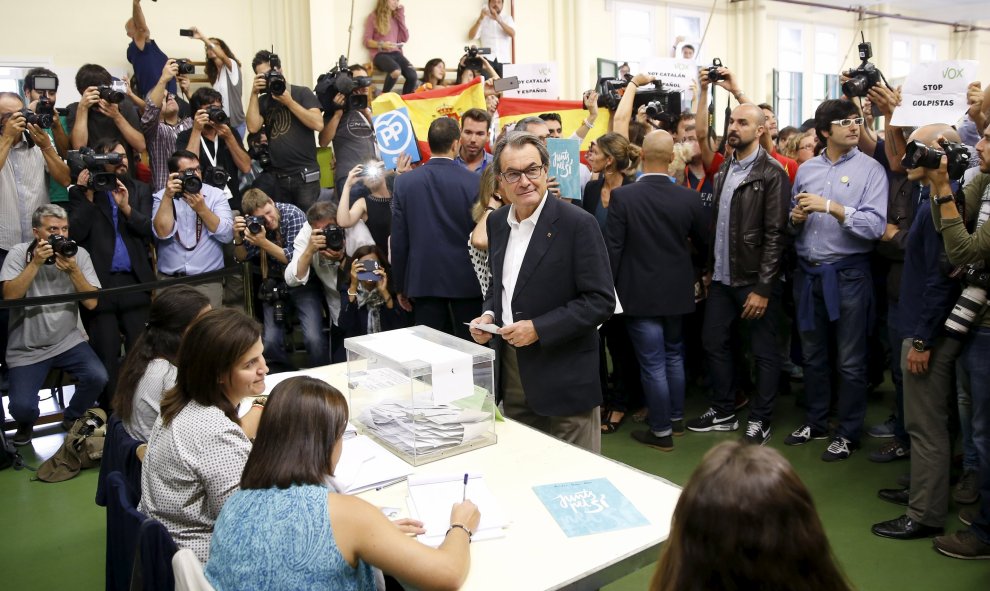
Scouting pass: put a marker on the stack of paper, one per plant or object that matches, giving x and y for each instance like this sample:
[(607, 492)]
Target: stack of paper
[(416, 428), (431, 497), (365, 465)]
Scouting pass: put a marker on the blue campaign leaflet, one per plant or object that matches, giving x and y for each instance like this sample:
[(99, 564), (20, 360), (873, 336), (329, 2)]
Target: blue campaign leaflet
[(589, 507), (395, 136), (565, 158)]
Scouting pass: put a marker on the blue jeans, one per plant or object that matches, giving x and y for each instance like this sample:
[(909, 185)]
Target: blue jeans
[(659, 348), (850, 334), (80, 361), (307, 300), (976, 359)]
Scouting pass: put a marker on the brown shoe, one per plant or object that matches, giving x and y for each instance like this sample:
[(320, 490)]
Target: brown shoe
[(963, 544)]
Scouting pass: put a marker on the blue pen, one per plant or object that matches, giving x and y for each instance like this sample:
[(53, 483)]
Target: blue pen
[(464, 496)]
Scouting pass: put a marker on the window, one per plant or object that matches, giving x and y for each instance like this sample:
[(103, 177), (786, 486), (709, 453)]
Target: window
[(634, 33), (928, 51), (790, 48), (787, 97), (11, 79), (826, 52), (686, 24), (900, 57)]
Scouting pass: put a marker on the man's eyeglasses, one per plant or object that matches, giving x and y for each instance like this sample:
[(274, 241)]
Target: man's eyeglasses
[(848, 122), (532, 173)]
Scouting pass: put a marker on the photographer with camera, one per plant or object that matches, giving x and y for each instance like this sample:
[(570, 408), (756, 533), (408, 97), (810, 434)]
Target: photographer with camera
[(266, 234), (320, 247), (41, 92), (223, 70), (368, 299), (290, 114), (840, 211), (967, 242), (102, 112), (348, 126), (45, 337), (385, 33), (495, 30), (192, 222), (375, 208), (113, 224), (162, 123), (217, 143)]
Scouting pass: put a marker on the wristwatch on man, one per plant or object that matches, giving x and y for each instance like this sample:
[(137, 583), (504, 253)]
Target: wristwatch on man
[(919, 345)]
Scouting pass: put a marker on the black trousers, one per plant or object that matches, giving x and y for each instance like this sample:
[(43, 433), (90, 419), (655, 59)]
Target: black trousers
[(447, 314), (390, 61), (117, 319)]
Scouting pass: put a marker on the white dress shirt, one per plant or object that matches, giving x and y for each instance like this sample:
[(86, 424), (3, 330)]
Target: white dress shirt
[(520, 234)]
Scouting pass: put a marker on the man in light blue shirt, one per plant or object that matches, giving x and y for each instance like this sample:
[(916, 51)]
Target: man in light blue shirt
[(840, 211), (191, 226)]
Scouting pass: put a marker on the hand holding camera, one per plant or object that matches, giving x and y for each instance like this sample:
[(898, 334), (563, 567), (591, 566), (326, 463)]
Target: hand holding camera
[(42, 252), (353, 175), (90, 98), (14, 126), (884, 99), (171, 70)]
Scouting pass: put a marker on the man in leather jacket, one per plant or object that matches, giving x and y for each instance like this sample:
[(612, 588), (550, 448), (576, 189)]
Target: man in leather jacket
[(752, 195)]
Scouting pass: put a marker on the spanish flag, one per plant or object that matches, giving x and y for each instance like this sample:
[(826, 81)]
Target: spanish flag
[(572, 114), (424, 107)]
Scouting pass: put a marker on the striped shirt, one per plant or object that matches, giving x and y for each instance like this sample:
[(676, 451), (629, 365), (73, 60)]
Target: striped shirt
[(160, 137), (23, 188)]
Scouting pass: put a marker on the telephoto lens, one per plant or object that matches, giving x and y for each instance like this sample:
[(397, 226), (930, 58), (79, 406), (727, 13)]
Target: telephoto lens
[(62, 245)]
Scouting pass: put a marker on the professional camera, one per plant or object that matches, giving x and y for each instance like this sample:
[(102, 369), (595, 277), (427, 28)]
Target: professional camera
[(217, 115), (45, 113), (62, 245), (340, 80), (261, 154), (712, 73), (866, 76), (274, 292), (115, 92), (971, 302), (274, 80), (255, 224), (917, 154), (186, 67), (661, 104), (216, 176), (99, 178), (191, 183), (472, 60), (31, 117), (334, 235)]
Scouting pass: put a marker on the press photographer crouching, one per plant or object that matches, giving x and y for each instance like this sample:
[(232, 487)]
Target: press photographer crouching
[(967, 242), (192, 222), (218, 146), (46, 337), (272, 228), (110, 216)]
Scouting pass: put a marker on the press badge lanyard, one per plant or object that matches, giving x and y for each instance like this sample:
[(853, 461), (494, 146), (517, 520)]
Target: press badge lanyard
[(212, 158), (701, 181)]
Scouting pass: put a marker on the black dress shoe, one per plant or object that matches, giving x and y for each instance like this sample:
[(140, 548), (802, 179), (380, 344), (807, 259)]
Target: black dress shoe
[(905, 528), (897, 496)]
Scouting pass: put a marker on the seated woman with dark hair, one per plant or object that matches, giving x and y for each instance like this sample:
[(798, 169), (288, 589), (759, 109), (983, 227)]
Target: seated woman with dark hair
[(367, 299), (149, 370), (286, 529), (746, 521), (434, 74), (198, 447)]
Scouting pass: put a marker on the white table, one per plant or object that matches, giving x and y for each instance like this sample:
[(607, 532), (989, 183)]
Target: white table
[(535, 553)]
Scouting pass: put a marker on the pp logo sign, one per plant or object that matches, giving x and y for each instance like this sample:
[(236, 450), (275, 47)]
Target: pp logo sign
[(394, 133)]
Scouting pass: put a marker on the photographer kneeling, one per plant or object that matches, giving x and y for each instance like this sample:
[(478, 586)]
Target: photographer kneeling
[(972, 249), (272, 227)]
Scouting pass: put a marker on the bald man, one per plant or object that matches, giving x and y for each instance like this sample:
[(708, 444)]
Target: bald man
[(752, 193), (650, 224), (840, 211), (927, 359)]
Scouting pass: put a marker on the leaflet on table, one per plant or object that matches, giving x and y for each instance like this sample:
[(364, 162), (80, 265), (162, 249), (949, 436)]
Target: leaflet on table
[(589, 507), (451, 370), (364, 465), (432, 495)]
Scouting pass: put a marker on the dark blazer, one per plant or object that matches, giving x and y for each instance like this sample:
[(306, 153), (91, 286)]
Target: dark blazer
[(649, 224), (431, 220), (565, 288), (91, 225)]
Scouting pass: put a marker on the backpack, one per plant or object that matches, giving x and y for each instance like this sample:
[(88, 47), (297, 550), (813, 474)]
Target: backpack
[(82, 448)]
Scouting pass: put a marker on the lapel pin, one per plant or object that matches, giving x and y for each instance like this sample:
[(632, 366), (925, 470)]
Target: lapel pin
[(844, 179), (548, 234)]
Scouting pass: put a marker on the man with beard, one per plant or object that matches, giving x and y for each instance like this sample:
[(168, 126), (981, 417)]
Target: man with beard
[(751, 199), (840, 211), (115, 228), (474, 136)]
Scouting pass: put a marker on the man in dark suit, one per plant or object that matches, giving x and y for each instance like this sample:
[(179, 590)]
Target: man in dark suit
[(649, 224), (431, 220), (115, 228), (551, 288)]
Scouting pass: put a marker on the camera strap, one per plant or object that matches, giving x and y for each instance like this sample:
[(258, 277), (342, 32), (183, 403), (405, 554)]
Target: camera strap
[(712, 136), (212, 159), (264, 266)]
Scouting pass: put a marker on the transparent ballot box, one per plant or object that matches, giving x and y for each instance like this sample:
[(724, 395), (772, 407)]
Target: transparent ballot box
[(423, 394)]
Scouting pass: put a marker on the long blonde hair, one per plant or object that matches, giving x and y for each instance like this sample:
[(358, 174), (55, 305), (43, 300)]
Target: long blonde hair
[(383, 17)]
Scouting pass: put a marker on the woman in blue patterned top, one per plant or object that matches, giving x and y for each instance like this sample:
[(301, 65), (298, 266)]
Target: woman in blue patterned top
[(285, 529)]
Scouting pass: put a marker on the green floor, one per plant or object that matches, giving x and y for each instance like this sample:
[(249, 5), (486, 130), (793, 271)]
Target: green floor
[(53, 534)]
